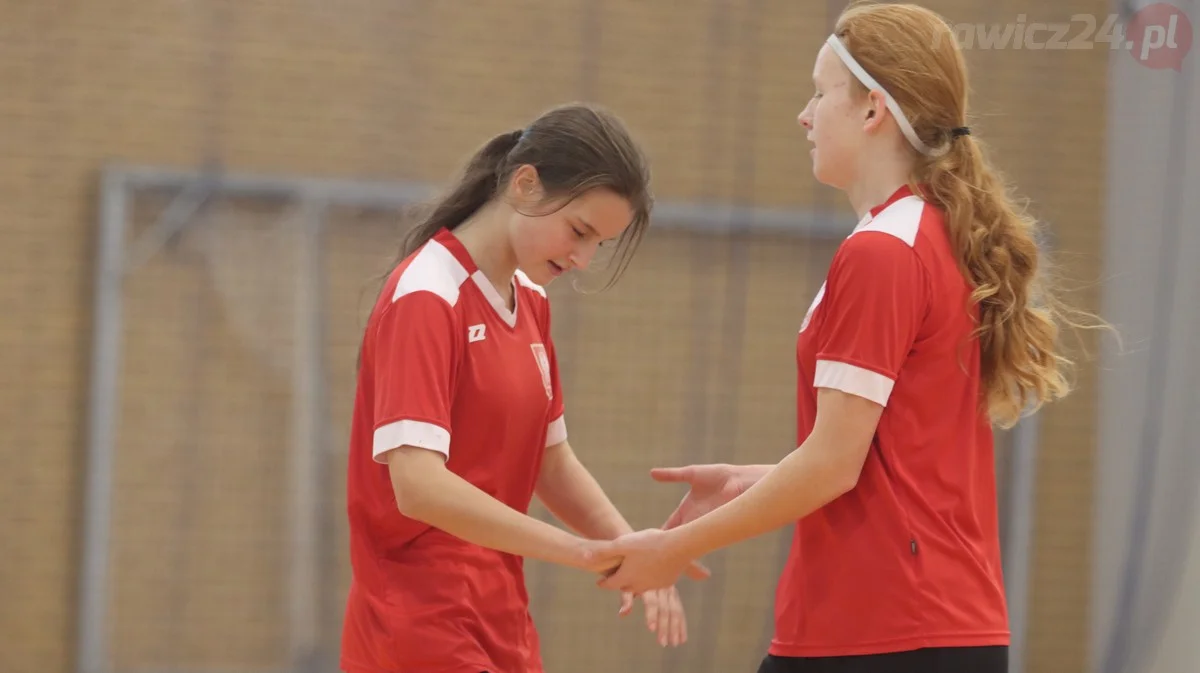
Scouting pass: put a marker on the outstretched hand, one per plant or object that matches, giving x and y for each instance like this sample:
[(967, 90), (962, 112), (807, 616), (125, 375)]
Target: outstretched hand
[(710, 487)]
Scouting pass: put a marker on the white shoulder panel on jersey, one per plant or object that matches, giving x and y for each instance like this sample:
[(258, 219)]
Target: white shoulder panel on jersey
[(524, 280), (434, 269), (901, 219)]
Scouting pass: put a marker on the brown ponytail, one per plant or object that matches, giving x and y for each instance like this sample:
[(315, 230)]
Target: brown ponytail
[(479, 182), (574, 148)]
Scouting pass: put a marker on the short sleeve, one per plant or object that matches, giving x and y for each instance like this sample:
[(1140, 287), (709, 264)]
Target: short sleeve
[(875, 300), (415, 365), (556, 431)]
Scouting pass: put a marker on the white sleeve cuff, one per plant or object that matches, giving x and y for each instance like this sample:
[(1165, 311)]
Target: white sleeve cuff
[(557, 432), (853, 380), (410, 433)]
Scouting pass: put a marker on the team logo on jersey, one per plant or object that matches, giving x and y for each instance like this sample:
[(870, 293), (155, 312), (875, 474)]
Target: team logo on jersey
[(476, 333), (543, 363), (813, 307)]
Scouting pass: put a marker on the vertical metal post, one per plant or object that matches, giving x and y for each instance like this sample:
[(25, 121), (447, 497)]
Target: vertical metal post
[(92, 654), (307, 444), (1019, 550)]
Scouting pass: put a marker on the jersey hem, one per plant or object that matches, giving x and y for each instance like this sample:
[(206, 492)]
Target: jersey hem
[(855, 362), (409, 432), (410, 417), (780, 648), (348, 666), (854, 380)]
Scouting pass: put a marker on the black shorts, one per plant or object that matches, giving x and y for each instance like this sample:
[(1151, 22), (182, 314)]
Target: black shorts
[(931, 660)]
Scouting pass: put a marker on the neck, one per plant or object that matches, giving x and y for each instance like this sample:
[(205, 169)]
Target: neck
[(485, 237), (879, 176)]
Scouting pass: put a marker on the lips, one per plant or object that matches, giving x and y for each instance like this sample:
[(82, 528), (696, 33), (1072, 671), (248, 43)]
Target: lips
[(555, 269)]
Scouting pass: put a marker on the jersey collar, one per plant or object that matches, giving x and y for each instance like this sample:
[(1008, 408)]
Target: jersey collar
[(901, 193), (449, 241), (455, 246)]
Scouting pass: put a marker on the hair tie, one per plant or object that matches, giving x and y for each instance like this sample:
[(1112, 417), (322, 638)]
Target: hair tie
[(960, 131)]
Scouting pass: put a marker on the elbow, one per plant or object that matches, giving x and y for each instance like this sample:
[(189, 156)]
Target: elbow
[(415, 485), (412, 501), (552, 475), (845, 476), (418, 499), (846, 483)]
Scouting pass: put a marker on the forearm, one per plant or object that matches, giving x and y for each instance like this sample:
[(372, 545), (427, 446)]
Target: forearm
[(575, 498), (778, 495), (826, 466), (448, 502), (749, 475)]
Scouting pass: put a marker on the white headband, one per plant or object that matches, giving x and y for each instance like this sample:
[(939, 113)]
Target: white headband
[(869, 82)]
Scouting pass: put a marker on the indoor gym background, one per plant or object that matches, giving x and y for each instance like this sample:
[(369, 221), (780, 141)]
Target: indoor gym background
[(200, 196)]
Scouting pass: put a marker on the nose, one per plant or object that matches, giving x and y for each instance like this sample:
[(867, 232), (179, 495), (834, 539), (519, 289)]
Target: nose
[(582, 256), (805, 116)]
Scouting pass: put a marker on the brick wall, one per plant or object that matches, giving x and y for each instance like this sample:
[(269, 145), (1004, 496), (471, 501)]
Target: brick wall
[(404, 91)]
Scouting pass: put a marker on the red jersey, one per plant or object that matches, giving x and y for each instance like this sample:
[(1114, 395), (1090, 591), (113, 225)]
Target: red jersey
[(446, 366), (909, 558)]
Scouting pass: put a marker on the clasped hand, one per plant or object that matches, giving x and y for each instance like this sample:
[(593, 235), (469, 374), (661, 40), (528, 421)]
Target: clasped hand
[(614, 561), (645, 561), (654, 559)]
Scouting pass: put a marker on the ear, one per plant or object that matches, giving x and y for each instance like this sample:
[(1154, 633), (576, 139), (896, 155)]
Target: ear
[(876, 110), (525, 186)]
